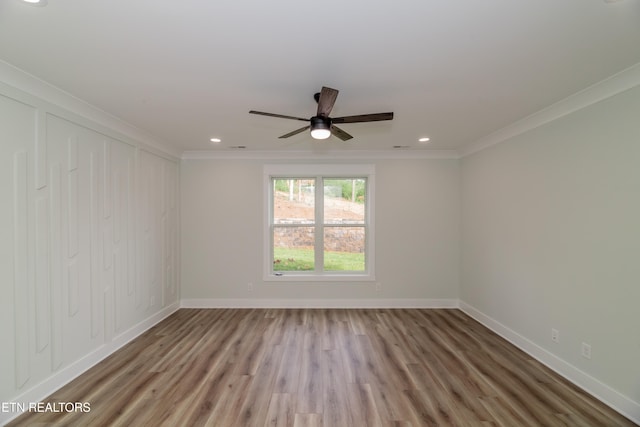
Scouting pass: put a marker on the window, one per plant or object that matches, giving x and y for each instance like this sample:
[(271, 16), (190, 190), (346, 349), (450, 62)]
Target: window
[(319, 222)]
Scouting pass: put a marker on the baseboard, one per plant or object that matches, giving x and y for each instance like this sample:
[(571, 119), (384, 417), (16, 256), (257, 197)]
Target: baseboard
[(597, 389), (75, 369), (319, 303)]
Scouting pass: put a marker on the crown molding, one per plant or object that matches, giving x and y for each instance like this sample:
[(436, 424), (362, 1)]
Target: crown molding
[(328, 155), (613, 85), (63, 104)]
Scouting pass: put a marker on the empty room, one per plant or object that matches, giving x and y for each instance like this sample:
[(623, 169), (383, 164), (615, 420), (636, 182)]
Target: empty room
[(420, 213)]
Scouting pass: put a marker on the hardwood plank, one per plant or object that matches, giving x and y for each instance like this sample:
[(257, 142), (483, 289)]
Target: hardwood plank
[(310, 384), (256, 400), (227, 411), (289, 370), (207, 399), (329, 332), (335, 404), (434, 404), (362, 405), (427, 413), (501, 413), (333, 367), (307, 420), (280, 412), (352, 357)]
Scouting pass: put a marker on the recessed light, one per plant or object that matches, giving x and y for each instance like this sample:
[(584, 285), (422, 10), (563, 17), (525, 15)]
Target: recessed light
[(215, 140), (424, 139), (36, 2)]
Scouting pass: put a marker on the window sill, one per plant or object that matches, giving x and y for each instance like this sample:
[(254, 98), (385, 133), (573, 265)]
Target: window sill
[(292, 276)]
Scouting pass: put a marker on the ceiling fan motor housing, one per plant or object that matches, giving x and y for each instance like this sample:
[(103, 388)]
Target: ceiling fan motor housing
[(320, 122)]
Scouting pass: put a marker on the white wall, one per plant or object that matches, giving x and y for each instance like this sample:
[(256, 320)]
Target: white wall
[(416, 232), (551, 239), (88, 243)]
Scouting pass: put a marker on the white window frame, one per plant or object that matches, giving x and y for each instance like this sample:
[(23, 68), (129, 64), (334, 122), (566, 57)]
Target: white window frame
[(318, 171)]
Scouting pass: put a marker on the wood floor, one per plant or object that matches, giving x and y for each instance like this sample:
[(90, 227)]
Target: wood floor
[(277, 367)]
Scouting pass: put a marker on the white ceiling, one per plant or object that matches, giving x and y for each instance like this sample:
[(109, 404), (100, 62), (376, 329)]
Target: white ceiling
[(453, 70)]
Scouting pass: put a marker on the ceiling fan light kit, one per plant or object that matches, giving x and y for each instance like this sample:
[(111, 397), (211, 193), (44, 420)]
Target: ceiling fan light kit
[(321, 125)]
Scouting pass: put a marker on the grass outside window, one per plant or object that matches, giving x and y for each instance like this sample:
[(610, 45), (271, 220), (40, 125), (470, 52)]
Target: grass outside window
[(285, 259)]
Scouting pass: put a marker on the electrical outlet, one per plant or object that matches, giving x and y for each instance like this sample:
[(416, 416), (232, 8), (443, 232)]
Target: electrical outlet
[(555, 335), (586, 350), (152, 301), (378, 286), (249, 286)]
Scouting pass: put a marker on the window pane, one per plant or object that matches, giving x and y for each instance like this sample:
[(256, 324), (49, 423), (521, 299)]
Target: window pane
[(344, 201), (293, 201), (293, 248), (344, 248)]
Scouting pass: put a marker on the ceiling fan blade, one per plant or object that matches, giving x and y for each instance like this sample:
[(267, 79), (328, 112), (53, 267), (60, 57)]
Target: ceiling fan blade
[(277, 115), (363, 118), (325, 102), (336, 131), (295, 132)]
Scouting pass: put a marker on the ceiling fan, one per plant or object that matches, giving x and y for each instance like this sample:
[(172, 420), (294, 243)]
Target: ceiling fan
[(322, 126)]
